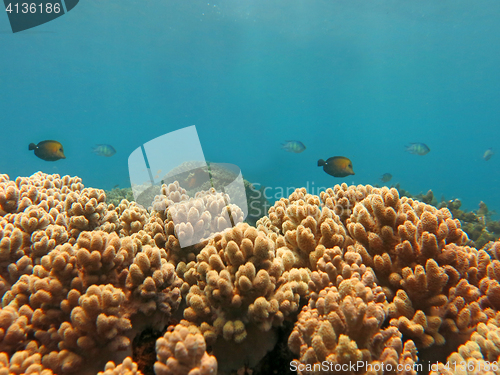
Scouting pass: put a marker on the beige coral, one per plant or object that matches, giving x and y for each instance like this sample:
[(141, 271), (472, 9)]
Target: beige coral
[(98, 324), (78, 276), (103, 258), (85, 210), (308, 227), (14, 244), (341, 199), (182, 351), (127, 367), (418, 256), (239, 280), (342, 326), (27, 362), (153, 283)]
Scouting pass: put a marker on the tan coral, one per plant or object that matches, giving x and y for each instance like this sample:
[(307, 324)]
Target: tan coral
[(153, 283), (409, 231), (60, 263), (487, 336), (132, 219), (85, 210), (156, 230), (9, 197), (33, 218), (27, 361), (238, 278), (305, 224), (64, 252), (13, 329), (415, 250), (98, 324), (343, 325), (467, 360), (37, 301), (14, 244), (127, 367), (341, 199), (182, 351), (43, 241), (103, 258)]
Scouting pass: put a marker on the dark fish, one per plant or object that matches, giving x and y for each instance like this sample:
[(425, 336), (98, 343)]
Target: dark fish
[(337, 166), (386, 177), (418, 148), (48, 150), (104, 150), (488, 154), (293, 146)]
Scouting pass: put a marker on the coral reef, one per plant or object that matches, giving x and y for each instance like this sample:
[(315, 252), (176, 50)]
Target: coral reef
[(363, 280), (478, 224), (116, 195)]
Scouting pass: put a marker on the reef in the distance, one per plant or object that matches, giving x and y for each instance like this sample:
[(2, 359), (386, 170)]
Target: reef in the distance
[(357, 275)]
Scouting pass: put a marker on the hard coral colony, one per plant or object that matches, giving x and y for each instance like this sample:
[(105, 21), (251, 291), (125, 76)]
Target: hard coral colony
[(365, 276)]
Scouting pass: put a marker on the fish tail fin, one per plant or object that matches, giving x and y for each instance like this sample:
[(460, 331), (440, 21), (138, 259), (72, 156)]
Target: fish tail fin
[(31, 146), (321, 162)]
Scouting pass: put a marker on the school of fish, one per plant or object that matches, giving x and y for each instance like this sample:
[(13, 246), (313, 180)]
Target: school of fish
[(336, 166)]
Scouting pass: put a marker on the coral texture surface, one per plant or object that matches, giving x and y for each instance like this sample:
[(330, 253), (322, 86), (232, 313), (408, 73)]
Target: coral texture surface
[(359, 274)]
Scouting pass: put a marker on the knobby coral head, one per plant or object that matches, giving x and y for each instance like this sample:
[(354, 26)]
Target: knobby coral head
[(364, 275)]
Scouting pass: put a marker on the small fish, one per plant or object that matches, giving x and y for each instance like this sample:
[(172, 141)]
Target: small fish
[(48, 150), (418, 148), (293, 146), (337, 166), (104, 150), (197, 177), (386, 177), (488, 154)]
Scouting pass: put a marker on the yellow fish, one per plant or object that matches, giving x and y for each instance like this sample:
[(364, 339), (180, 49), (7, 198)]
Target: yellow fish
[(48, 150), (337, 166)]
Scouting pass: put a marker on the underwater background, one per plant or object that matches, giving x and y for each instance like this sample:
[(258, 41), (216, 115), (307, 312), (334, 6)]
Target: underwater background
[(360, 79)]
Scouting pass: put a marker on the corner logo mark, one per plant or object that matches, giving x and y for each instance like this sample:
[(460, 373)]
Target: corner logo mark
[(201, 198), (25, 14)]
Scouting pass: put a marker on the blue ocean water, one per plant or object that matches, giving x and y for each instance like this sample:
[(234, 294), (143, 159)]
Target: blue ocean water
[(360, 79)]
